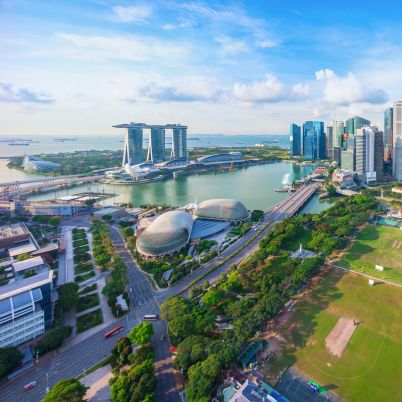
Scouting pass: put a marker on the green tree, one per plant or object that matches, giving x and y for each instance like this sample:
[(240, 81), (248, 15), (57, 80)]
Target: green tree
[(70, 390), (213, 297), (23, 257), (54, 221), (68, 295), (175, 306), (54, 338), (181, 326), (10, 358), (141, 333), (121, 351)]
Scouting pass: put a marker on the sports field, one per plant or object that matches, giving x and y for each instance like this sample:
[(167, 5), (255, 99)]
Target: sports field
[(368, 366), (376, 245)]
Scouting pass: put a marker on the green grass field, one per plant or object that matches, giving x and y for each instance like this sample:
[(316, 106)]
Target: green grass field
[(376, 245), (370, 368)]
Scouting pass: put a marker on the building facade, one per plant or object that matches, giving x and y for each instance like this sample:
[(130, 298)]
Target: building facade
[(295, 140), (156, 145), (179, 144), (397, 160), (354, 123), (388, 133), (330, 143), (365, 154), (313, 140), (338, 129), (133, 153), (379, 154), (397, 135)]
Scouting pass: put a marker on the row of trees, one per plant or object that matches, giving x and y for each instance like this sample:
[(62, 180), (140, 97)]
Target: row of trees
[(102, 245), (247, 296), (105, 256), (137, 382)]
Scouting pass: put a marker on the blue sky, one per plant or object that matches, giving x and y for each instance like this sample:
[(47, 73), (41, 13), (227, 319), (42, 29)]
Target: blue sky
[(78, 67)]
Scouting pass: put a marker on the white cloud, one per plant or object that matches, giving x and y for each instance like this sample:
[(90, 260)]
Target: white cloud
[(231, 46), (267, 43), (187, 89), (23, 95), (343, 91), (132, 13), (269, 90), (122, 47)]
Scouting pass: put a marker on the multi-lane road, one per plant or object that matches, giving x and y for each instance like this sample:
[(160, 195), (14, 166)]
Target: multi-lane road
[(144, 300)]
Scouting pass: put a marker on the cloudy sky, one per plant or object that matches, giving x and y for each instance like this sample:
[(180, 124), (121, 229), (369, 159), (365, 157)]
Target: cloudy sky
[(78, 67)]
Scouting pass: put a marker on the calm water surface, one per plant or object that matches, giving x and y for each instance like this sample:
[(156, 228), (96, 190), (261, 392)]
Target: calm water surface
[(254, 186)]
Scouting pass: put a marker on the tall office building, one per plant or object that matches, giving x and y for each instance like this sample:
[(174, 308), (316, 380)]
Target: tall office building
[(338, 128), (379, 154), (295, 140), (397, 135), (398, 159), (354, 123), (313, 140), (133, 143), (132, 153), (156, 146), (330, 143), (388, 129), (179, 143), (337, 155), (365, 141)]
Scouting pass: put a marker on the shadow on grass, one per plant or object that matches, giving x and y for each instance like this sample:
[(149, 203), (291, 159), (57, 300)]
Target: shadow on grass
[(330, 387), (357, 250), (306, 311)]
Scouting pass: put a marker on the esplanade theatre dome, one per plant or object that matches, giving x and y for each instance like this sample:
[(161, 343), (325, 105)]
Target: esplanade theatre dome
[(168, 233), (224, 209)]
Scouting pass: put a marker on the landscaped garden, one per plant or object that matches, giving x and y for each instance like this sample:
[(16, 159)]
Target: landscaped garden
[(89, 320)]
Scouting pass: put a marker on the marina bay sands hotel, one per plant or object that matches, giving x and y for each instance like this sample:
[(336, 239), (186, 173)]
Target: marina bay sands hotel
[(133, 149)]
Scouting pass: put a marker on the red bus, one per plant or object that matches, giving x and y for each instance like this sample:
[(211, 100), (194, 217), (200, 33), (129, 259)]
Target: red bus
[(113, 331)]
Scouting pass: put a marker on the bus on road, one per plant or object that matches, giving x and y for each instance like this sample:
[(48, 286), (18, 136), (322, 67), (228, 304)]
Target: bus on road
[(113, 331), (151, 317)]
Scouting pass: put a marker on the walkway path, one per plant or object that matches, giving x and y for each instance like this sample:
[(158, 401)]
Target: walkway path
[(362, 274)]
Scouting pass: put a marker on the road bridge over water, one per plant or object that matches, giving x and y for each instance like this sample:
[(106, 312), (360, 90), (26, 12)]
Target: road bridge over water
[(20, 188)]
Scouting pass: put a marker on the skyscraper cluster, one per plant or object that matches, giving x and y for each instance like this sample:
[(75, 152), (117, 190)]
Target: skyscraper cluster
[(354, 145), (156, 151)]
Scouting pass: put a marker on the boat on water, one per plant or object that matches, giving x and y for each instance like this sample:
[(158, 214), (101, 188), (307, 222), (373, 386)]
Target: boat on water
[(193, 139), (270, 142), (18, 143), (64, 139)]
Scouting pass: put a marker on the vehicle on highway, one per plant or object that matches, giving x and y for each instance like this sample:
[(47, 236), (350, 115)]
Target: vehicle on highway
[(162, 338), (31, 385), (113, 331), (151, 317)]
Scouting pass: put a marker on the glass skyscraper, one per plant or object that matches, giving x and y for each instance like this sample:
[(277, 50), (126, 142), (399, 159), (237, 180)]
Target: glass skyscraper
[(354, 123), (156, 147), (313, 140), (295, 140), (132, 153), (388, 133), (179, 144)]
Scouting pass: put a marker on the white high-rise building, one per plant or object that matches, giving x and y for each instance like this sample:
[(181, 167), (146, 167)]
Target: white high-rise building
[(397, 135), (365, 153), (338, 128)]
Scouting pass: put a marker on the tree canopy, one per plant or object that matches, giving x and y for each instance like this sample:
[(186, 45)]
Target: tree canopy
[(10, 358), (141, 333), (70, 390)]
